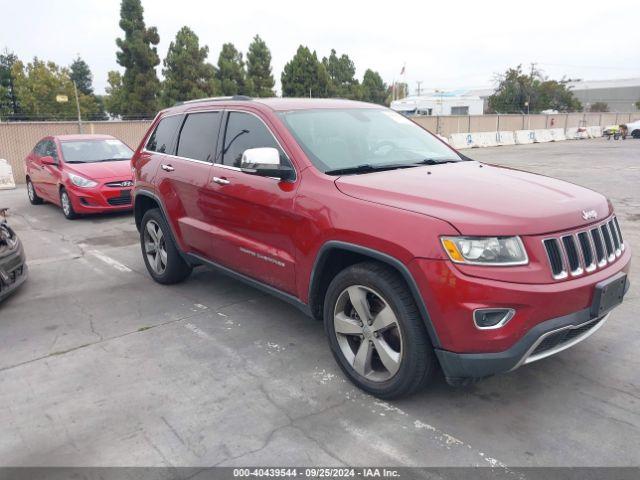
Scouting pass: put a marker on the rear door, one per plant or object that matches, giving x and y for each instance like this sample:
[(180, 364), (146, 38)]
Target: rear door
[(183, 179), (252, 217)]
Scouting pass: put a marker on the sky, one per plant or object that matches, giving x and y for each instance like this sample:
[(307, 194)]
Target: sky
[(446, 46)]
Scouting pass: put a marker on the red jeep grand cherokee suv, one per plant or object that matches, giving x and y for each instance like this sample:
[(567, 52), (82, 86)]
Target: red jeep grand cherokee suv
[(410, 253), (80, 173)]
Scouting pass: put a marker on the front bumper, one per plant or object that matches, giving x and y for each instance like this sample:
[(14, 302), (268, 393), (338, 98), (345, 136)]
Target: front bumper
[(543, 340), (13, 271), (100, 199), (549, 317)]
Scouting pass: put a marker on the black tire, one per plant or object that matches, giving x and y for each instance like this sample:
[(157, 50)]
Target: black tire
[(176, 269), (67, 206), (417, 359), (636, 134), (34, 199)]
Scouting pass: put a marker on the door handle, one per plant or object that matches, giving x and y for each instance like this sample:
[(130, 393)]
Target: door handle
[(221, 181), (167, 168)]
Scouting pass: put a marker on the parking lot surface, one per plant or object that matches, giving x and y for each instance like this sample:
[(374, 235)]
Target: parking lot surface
[(100, 366)]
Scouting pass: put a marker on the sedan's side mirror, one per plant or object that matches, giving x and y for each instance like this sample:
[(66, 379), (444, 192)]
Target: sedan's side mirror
[(48, 160), (265, 162)]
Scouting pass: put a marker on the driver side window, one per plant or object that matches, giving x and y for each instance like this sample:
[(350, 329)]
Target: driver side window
[(50, 150), (244, 131)]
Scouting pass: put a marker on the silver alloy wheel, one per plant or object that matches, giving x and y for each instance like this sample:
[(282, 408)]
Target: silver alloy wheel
[(155, 247), (368, 333), (66, 203), (30, 191)]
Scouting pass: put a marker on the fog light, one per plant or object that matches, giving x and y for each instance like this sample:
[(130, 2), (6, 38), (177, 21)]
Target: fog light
[(489, 318)]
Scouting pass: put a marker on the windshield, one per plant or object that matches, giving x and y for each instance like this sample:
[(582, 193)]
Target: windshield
[(342, 139), (89, 151)]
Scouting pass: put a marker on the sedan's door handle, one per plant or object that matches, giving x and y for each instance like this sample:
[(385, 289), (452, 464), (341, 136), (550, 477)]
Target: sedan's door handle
[(167, 168), (221, 181)]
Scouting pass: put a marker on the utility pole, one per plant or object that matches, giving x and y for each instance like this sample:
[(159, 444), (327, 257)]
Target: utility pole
[(419, 90), (75, 90)]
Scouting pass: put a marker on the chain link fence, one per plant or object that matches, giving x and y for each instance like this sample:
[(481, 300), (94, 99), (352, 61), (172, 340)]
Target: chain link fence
[(18, 138)]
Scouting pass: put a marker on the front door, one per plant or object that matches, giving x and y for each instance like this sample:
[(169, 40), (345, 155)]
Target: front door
[(253, 219), (50, 174)]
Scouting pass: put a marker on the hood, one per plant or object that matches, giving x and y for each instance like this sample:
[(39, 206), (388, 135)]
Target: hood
[(120, 169), (480, 199)]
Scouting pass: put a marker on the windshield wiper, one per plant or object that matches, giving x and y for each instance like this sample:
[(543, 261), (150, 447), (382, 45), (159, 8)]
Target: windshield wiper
[(112, 159), (433, 161), (367, 167)]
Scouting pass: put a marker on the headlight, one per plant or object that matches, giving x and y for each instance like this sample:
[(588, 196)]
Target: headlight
[(502, 251), (79, 181)]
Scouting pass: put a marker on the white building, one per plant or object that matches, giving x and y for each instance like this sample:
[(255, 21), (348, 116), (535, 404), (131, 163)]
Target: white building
[(457, 102)]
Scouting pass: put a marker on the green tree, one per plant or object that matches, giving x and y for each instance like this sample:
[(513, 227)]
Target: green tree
[(398, 91), (638, 104), (516, 89), (259, 78), (187, 75), (82, 76), (139, 57), (374, 90), (9, 104), (305, 76), (599, 107), (114, 99), (38, 83), (231, 74), (341, 71)]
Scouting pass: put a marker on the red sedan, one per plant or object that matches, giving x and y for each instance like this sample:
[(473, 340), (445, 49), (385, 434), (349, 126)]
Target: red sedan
[(80, 173)]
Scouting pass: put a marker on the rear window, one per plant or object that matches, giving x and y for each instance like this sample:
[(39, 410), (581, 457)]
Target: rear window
[(90, 151), (199, 135), (161, 140)]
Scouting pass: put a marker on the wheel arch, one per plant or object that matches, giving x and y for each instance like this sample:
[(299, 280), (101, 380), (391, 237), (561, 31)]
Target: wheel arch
[(142, 202), (334, 256)]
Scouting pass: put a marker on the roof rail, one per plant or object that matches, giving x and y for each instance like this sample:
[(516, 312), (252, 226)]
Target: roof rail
[(214, 99)]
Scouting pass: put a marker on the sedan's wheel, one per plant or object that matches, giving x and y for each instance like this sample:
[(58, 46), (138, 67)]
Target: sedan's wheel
[(368, 333), (34, 199), (376, 332), (67, 206), (160, 253)]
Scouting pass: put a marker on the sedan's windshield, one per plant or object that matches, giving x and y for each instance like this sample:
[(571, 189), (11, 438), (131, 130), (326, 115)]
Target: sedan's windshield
[(89, 151), (341, 140)]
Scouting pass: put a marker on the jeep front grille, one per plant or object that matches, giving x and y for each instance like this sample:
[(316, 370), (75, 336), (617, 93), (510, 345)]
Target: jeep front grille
[(584, 251)]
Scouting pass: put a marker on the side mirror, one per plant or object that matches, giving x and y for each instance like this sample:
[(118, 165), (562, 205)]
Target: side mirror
[(265, 162), (48, 160)]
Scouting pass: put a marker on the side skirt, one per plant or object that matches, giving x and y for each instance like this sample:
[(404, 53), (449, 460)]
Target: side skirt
[(303, 307)]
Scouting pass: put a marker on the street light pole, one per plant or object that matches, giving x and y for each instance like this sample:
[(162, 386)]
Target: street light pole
[(75, 90)]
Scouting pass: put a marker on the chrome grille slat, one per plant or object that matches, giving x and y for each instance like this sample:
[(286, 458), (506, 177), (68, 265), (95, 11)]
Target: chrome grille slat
[(585, 250)]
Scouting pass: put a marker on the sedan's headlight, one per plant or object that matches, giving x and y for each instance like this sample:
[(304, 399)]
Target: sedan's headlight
[(501, 251), (79, 181)]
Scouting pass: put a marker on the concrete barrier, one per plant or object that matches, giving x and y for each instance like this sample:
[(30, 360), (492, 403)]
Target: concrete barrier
[(557, 134), (574, 134), (542, 136), (461, 140), (483, 139), (524, 136), (505, 138), (594, 131), (6, 175)]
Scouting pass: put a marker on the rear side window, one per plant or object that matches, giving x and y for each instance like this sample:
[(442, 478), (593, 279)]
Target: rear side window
[(161, 140), (199, 136), (246, 131)]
